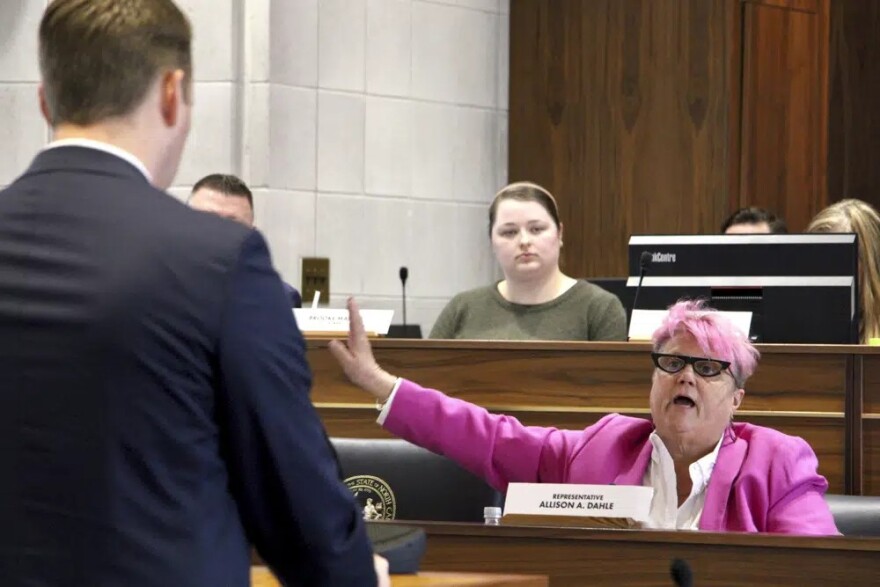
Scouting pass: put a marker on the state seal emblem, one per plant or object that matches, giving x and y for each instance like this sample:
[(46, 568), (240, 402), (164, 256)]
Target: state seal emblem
[(374, 496)]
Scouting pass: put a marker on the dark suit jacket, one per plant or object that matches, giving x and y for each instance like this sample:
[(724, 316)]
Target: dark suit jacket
[(154, 411), (293, 295)]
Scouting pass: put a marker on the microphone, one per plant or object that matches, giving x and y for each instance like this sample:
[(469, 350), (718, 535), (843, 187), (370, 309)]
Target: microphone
[(645, 261), (404, 275), (404, 330), (681, 573)]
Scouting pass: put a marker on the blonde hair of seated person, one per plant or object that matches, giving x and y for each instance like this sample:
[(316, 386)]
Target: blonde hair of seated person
[(861, 218)]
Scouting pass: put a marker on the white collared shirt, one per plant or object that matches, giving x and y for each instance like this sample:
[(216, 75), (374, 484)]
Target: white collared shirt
[(660, 476), (386, 407), (106, 148), (665, 512)]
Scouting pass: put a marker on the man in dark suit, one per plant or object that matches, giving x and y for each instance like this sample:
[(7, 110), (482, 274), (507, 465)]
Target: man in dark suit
[(154, 411), (229, 197)]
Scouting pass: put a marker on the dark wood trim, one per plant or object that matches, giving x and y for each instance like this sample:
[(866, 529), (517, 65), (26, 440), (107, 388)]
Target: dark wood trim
[(849, 481), (810, 6), (855, 393), (833, 543)]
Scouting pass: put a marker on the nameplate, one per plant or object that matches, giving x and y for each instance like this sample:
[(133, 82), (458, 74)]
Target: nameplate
[(581, 501), (329, 320), (643, 323)]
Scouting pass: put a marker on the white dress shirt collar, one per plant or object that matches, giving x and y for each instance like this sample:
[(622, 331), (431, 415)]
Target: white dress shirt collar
[(665, 512), (106, 148)]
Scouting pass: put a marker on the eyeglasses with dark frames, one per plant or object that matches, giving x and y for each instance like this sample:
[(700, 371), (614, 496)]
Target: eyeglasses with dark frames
[(704, 367)]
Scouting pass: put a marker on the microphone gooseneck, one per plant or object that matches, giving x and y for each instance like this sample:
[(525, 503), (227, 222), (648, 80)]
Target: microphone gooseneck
[(645, 260), (404, 275)]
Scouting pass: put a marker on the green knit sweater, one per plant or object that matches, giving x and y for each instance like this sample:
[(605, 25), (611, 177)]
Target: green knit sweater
[(584, 312)]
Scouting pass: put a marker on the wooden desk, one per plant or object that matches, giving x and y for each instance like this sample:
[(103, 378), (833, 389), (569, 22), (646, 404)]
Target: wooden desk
[(262, 577), (578, 557), (462, 579), (827, 394)]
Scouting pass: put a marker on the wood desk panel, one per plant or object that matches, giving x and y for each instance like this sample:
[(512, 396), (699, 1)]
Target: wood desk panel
[(871, 385), (468, 580), (866, 424), (812, 391), (262, 577), (797, 382), (599, 376), (871, 456), (573, 557)]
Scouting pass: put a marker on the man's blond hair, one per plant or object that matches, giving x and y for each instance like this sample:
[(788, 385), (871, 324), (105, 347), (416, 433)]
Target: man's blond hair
[(98, 58)]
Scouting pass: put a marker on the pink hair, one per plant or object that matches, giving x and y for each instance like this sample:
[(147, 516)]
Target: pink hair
[(716, 336)]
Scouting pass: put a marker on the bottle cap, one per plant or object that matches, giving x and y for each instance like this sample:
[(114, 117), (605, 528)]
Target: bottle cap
[(492, 512)]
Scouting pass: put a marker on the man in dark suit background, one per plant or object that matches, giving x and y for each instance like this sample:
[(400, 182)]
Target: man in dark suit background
[(228, 196), (154, 411)]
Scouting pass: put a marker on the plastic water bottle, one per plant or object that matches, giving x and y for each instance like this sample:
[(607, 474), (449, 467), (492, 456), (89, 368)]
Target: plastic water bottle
[(492, 516)]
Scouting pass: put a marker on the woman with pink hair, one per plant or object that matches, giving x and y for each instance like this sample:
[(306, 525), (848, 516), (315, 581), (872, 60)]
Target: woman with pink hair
[(707, 471)]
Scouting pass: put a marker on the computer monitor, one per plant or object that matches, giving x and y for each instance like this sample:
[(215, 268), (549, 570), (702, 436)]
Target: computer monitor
[(616, 286), (800, 288)]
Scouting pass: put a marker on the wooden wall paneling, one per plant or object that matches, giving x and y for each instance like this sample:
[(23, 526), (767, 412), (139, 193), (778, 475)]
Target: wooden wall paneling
[(673, 147), (784, 108), (653, 116), (734, 106), (531, 51), (620, 108), (854, 86)]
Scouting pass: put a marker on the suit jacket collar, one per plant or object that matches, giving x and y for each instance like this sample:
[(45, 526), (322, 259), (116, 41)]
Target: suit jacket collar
[(727, 467), (728, 464), (84, 159), (636, 472)]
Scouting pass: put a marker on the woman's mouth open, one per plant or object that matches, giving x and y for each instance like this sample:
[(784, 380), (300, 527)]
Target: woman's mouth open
[(684, 401)]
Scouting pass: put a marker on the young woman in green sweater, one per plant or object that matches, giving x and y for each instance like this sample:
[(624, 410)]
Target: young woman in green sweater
[(535, 300)]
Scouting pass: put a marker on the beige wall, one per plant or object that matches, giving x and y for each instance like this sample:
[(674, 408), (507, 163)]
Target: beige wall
[(374, 132)]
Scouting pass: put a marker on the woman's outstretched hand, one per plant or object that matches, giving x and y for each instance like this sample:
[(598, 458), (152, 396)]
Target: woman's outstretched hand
[(355, 356)]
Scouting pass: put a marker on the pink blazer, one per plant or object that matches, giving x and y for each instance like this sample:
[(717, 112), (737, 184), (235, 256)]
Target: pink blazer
[(763, 480)]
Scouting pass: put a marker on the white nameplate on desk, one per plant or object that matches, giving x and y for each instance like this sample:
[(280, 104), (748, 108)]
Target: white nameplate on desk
[(566, 499), (336, 320)]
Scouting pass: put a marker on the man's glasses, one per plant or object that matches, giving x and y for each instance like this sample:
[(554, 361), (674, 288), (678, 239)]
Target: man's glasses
[(702, 366)]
